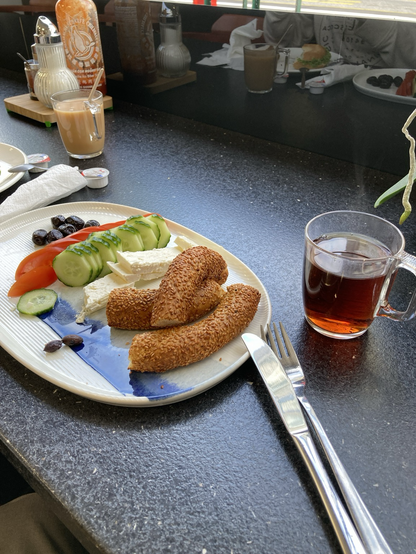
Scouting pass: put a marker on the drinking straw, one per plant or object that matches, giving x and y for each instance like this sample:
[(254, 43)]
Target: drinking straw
[(95, 85)]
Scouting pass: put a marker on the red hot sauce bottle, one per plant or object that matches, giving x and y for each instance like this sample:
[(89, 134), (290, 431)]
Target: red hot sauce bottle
[(80, 32)]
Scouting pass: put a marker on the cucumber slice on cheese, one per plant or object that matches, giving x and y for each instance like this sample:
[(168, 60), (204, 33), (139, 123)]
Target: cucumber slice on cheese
[(73, 267), (37, 302), (106, 251), (164, 233)]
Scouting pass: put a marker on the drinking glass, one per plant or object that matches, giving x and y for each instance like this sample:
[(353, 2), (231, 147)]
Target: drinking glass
[(351, 259), (80, 122), (260, 66)]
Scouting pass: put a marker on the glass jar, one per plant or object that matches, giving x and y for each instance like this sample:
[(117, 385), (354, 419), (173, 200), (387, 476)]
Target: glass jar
[(53, 74), (172, 56)]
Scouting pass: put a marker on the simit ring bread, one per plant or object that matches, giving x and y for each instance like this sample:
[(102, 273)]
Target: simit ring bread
[(164, 349), (183, 278)]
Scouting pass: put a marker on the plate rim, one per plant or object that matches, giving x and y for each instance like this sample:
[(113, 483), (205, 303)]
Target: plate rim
[(114, 397), (375, 92), (17, 176)]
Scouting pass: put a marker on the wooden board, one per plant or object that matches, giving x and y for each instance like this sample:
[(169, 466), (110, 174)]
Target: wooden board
[(33, 109), (162, 83)]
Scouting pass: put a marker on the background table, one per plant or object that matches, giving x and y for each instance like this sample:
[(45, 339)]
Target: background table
[(218, 473)]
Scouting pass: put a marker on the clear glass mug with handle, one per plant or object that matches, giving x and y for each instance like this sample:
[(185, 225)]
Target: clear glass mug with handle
[(350, 263), (260, 66), (80, 122)]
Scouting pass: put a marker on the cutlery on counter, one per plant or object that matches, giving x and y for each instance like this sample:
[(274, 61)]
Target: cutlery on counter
[(26, 167), (280, 388), (367, 528)]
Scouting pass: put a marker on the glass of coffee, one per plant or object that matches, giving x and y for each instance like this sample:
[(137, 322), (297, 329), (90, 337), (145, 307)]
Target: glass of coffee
[(260, 66), (80, 122), (350, 262)]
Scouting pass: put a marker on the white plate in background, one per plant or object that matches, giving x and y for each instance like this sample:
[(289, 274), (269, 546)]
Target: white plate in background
[(389, 94), (296, 53), (9, 157)]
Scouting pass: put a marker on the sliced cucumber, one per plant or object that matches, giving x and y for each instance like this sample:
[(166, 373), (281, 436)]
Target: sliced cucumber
[(107, 253), (37, 302), (131, 240), (73, 267), (148, 237), (89, 253), (164, 235), (132, 220)]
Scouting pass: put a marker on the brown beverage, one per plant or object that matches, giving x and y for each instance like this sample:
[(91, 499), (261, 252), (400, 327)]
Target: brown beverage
[(260, 68), (336, 297)]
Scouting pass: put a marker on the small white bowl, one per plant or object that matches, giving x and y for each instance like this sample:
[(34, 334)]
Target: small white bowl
[(97, 177), (316, 88)]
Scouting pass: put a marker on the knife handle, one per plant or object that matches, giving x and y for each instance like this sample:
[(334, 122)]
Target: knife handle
[(344, 528), (366, 526)]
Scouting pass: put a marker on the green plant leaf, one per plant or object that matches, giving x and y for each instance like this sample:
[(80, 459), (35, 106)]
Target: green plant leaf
[(392, 191)]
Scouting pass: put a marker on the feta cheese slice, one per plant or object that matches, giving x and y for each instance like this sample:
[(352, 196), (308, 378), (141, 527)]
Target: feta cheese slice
[(147, 261), (96, 294), (183, 243), (119, 270)]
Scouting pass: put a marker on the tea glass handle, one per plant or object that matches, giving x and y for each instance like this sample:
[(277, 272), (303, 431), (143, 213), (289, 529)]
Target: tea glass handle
[(286, 52), (406, 261), (94, 108)]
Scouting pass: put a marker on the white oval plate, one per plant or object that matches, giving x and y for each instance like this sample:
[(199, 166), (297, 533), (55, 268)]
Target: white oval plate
[(360, 83), (25, 336), (9, 157)]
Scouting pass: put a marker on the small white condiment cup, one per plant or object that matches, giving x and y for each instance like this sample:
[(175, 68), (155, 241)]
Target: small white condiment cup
[(316, 88), (97, 177), (40, 160)]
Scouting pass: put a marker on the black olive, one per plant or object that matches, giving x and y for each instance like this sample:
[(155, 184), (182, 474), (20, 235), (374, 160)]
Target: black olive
[(66, 229), (72, 340), (76, 221), (53, 235), (397, 81), (57, 220), (53, 346), (373, 81), (385, 84), (39, 237), (91, 223)]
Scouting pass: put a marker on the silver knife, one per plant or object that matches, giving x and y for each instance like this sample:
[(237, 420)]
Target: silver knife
[(281, 390)]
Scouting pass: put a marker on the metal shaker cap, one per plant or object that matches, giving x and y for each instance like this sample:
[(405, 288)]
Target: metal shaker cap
[(168, 15), (46, 32)]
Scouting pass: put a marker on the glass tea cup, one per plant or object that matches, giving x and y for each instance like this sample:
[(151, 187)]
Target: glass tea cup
[(260, 66), (80, 122), (350, 261)]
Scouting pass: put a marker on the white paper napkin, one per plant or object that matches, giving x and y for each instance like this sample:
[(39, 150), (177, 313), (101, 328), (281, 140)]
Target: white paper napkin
[(333, 75), (232, 54), (56, 183)]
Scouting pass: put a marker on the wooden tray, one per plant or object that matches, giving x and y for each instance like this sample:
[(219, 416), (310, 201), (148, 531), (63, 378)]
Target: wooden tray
[(33, 109)]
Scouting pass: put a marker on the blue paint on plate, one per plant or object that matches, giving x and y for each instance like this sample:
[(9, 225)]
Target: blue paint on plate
[(108, 360)]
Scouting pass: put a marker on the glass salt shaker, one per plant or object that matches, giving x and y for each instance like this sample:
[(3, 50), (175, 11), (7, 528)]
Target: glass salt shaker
[(172, 56), (53, 74)]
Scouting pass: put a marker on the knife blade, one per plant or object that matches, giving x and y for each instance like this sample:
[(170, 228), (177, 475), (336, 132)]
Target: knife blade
[(281, 390)]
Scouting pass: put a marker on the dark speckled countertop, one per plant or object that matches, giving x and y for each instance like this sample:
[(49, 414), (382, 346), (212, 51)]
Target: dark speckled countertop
[(218, 474)]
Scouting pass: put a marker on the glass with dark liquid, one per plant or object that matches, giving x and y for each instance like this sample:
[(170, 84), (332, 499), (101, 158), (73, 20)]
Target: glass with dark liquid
[(350, 262)]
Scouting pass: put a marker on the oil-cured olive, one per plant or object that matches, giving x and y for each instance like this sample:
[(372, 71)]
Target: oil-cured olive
[(53, 235), (76, 221), (57, 220), (91, 223), (67, 229), (39, 237), (373, 80), (397, 81)]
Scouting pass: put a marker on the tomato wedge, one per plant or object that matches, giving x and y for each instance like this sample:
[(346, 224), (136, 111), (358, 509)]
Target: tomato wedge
[(46, 255), (37, 278), (405, 89)]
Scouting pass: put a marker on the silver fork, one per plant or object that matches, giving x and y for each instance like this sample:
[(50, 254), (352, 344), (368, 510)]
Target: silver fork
[(370, 534)]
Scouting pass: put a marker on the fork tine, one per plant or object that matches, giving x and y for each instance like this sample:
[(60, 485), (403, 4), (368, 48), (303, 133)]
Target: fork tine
[(279, 341), (262, 333), (288, 344), (272, 341)]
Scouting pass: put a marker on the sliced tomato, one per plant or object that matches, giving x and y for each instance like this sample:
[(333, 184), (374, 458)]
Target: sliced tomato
[(405, 89), (46, 255), (37, 278)]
